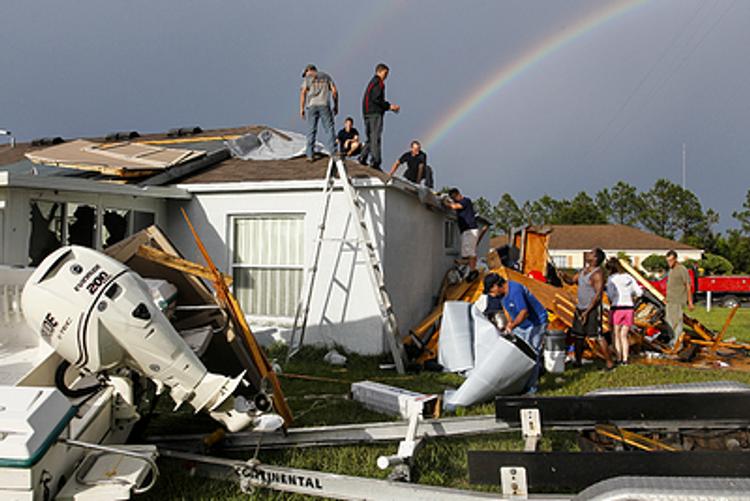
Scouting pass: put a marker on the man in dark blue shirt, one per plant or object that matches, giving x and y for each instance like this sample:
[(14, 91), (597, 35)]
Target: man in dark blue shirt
[(527, 317), (467, 225)]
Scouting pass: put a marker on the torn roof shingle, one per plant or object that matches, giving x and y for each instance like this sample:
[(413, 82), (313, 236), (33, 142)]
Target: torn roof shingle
[(225, 171)]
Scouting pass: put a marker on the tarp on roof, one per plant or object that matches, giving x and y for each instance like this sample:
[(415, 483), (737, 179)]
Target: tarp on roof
[(116, 159), (270, 144)]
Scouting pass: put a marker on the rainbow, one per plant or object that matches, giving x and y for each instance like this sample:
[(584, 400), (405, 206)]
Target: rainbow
[(516, 68)]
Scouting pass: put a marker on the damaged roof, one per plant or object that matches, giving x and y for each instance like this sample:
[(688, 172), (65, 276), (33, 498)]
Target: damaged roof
[(216, 167)]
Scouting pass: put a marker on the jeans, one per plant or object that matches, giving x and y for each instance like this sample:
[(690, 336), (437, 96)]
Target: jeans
[(533, 336), (324, 115), (374, 130)]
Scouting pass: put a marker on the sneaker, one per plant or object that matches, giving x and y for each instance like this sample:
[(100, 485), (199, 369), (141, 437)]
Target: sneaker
[(310, 160), (362, 161)]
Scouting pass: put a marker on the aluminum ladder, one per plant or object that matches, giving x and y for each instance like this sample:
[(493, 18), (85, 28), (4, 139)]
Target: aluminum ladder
[(364, 240)]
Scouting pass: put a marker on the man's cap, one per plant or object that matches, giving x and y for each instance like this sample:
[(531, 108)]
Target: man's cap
[(308, 68), (491, 280)]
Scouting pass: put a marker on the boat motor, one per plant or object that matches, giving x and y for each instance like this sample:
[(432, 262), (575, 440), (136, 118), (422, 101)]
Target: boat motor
[(98, 314)]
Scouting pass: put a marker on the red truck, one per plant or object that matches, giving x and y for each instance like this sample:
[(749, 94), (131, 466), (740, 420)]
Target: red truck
[(726, 290)]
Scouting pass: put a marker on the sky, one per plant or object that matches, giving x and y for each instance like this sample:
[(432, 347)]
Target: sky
[(529, 97)]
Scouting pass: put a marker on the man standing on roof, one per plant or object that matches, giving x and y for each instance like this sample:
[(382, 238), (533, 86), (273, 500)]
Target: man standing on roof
[(467, 225), (416, 161), (314, 105), (679, 294), (527, 317), (587, 319), (374, 107)]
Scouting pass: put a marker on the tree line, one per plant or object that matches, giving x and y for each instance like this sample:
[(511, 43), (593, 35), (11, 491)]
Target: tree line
[(665, 209)]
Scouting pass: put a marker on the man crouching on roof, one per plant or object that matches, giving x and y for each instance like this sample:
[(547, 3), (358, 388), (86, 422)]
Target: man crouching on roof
[(527, 317)]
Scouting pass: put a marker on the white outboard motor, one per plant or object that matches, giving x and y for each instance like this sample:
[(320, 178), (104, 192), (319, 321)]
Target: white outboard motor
[(98, 315)]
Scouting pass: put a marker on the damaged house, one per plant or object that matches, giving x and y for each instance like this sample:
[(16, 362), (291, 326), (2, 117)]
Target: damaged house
[(258, 219)]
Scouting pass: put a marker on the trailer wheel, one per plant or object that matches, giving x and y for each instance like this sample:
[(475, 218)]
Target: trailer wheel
[(730, 302)]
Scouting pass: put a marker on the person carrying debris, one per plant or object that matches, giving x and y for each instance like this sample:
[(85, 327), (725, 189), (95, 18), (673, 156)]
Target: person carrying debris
[(374, 107), (314, 106), (527, 317), (621, 289), (416, 163), (679, 294), (467, 225), (348, 139), (587, 319)]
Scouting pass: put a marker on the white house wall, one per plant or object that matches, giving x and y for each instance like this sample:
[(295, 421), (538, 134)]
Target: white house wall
[(343, 309), (415, 258)]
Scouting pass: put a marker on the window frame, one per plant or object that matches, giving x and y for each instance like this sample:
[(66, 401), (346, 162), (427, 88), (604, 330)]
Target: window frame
[(451, 237), (231, 265)]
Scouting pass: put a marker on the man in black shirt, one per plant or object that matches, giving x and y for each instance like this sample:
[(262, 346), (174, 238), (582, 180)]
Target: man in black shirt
[(374, 106), (416, 161), (348, 139), (467, 225)]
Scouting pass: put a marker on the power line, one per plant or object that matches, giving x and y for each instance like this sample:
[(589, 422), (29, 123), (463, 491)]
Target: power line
[(643, 80), (676, 69)]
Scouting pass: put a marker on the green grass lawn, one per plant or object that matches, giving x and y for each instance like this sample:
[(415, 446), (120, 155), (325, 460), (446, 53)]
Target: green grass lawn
[(440, 462)]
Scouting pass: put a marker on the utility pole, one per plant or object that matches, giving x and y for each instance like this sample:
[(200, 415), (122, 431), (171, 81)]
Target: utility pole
[(684, 166)]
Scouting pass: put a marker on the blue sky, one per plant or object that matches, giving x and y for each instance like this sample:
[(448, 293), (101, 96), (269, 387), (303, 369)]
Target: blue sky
[(616, 103)]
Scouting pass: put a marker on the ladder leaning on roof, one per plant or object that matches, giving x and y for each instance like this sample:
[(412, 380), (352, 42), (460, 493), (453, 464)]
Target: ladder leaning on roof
[(374, 266)]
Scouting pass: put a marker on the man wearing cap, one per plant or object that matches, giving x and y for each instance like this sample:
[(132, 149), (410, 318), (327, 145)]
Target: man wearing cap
[(527, 317), (315, 105)]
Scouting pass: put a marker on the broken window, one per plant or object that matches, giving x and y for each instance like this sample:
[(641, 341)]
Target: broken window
[(81, 224), (46, 229), (268, 263), (115, 224), (142, 220)]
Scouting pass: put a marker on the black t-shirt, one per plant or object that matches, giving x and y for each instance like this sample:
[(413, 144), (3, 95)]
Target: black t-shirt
[(466, 218), (413, 162), (344, 136)]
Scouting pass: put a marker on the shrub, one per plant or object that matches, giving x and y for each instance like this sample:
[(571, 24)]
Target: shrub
[(655, 263)]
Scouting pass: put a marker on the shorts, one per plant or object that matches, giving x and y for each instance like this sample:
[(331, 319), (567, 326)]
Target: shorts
[(622, 316), (593, 325), (469, 239)]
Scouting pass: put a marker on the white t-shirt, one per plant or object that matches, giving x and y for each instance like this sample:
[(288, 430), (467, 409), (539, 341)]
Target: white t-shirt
[(621, 288)]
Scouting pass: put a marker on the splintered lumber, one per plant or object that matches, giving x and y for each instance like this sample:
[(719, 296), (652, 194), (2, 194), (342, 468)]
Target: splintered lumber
[(240, 324), (177, 263)]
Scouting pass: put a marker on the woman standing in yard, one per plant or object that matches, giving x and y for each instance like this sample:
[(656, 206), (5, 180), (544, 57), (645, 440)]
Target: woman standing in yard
[(621, 290)]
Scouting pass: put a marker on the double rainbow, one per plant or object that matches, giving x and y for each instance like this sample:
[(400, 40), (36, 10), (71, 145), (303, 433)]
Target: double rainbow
[(507, 73)]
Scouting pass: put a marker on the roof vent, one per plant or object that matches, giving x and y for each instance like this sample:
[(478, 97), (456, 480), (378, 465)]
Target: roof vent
[(122, 135), (184, 131), (47, 141)]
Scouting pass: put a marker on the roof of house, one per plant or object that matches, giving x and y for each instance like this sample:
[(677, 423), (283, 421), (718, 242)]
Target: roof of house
[(10, 155), (606, 236), (225, 170), (234, 170)]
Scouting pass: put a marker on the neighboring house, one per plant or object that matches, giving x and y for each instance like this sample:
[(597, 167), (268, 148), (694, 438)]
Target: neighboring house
[(258, 220), (568, 242)]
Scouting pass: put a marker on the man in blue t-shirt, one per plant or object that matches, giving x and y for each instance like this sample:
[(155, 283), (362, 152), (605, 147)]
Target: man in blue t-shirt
[(467, 225), (527, 317)]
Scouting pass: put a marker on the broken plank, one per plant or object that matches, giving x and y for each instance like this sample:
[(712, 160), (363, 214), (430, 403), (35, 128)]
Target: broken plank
[(237, 317), (177, 263)]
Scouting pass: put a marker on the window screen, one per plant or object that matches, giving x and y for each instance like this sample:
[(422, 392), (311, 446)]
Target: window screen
[(267, 263)]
